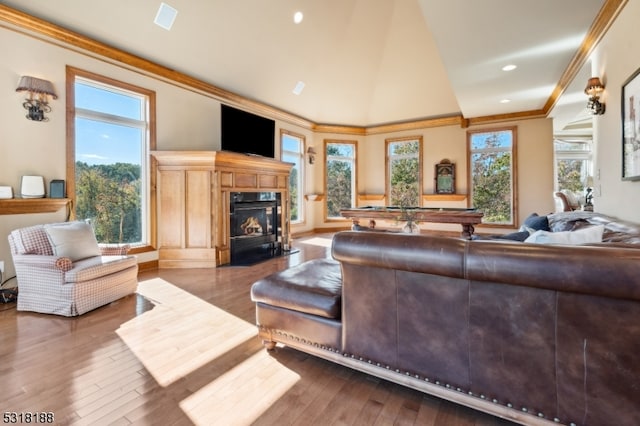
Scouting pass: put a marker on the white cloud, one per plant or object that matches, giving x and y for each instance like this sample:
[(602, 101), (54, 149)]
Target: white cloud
[(93, 156)]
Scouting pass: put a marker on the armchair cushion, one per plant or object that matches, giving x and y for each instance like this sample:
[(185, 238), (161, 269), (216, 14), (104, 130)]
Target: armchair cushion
[(97, 267), (74, 240)]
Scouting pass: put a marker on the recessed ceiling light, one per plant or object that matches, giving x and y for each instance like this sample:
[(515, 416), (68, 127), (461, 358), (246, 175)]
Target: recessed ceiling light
[(509, 67), (298, 17), (505, 101), (166, 16), (299, 88)]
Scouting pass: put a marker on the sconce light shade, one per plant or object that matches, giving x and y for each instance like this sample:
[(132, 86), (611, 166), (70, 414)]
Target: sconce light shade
[(594, 89), (36, 85), (588, 182), (39, 104), (311, 152)]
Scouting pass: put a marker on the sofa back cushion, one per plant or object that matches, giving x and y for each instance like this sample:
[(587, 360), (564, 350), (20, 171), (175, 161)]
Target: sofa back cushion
[(31, 240), (74, 240)]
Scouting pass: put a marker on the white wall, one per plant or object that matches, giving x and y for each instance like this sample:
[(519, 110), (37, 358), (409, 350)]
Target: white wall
[(614, 60)]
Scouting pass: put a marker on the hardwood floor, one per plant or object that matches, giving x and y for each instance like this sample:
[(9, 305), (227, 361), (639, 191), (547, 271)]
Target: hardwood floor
[(184, 351)]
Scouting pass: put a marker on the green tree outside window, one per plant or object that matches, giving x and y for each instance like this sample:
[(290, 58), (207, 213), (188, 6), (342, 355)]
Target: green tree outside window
[(491, 162), (293, 152), (404, 173), (108, 197), (111, 145), (340, 169)]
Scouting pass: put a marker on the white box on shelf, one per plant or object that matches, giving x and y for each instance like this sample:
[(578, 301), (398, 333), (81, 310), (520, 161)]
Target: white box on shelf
[(32, 187), (6, 192)]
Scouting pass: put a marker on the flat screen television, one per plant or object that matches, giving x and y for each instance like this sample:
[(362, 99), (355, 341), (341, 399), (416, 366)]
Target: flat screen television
[(247, 133)]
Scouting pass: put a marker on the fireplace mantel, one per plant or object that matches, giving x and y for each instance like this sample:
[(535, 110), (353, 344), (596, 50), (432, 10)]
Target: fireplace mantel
[(193, 195)]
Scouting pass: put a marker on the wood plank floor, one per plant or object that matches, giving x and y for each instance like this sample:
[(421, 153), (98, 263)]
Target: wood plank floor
[(184, 351)]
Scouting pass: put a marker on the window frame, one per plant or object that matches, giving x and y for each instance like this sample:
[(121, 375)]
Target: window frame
[(514, 173), (387, 157), (354, 176), (148, 177), (302, 172), (577, 155)]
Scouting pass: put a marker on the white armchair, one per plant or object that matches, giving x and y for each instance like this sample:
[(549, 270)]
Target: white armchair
[(61, 269), (568, 201)]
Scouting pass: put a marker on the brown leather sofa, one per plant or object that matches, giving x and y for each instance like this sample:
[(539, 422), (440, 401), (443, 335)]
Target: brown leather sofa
[(538, 334)]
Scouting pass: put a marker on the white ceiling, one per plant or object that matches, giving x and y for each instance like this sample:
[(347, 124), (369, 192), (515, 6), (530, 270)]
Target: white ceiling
[(363, 62)]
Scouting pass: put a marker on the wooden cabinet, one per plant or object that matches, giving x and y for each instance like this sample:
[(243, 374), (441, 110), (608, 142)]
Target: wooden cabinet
[(193, 195)]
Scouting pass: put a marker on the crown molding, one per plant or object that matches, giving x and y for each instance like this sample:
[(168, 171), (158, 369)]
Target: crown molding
[(66, 38), (603, 21)]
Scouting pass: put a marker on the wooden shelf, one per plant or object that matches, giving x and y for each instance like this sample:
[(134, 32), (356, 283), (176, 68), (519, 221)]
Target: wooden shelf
[(371, 197), (444, 197), (32, 205)]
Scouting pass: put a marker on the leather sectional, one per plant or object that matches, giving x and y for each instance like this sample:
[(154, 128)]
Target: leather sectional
[(538, 334)]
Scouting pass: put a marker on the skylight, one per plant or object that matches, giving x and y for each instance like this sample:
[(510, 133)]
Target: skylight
[(166, 16), (299, 88)]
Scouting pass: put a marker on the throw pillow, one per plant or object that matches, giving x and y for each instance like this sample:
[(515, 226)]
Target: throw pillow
[(74, 240), (514, 236), (593, 234), (536, 222)]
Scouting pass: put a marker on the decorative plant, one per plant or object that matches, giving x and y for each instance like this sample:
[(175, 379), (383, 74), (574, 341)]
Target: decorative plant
[(409, 216)]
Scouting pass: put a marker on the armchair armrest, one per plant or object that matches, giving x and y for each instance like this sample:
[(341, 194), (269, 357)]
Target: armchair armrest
[(114, 249), (40, 261)]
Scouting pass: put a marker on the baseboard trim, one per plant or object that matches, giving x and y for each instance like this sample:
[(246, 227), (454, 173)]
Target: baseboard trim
[(147, 266)]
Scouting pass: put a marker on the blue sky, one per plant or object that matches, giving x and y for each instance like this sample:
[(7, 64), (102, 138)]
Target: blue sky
[(103, 143), (99, 142), (478, 140)]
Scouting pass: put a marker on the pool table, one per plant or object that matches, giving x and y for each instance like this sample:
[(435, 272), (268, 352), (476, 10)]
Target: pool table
[(465, 217)]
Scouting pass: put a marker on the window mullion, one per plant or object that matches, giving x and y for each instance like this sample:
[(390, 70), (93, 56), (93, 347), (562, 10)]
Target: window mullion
[(109, 118)]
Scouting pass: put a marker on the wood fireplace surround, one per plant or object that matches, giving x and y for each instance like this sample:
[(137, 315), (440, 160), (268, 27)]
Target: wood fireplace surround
[(194, 190)]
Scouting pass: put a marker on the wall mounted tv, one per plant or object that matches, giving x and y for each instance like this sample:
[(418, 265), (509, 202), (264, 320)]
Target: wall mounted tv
[(246, 133)]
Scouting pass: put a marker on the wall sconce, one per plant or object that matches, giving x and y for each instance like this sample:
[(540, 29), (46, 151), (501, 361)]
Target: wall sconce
[(594, 89), (311, 153), (37, 104)]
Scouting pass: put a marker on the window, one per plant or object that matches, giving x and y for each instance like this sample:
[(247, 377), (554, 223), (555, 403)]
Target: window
[(293, 152), (109, 139), (340, 184), (404, 172), (492, 173), (572, 165)]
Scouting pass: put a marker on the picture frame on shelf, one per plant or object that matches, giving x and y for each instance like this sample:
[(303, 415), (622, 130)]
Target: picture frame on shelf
[(445, 177), (631, 127)]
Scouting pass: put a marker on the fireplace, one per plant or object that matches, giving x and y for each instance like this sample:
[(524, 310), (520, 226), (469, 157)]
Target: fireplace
[(255, 226), (194, 193)]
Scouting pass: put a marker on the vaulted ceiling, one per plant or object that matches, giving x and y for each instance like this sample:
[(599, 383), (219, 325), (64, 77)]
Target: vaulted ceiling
[(363, 62)]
